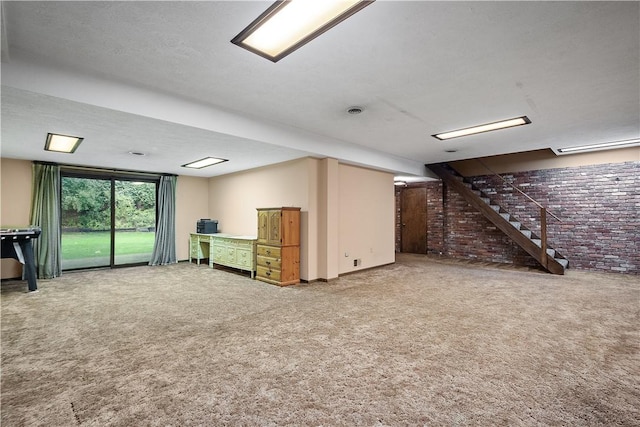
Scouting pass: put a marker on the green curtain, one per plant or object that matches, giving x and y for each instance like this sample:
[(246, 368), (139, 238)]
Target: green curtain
[(164, 248), (45, 213)]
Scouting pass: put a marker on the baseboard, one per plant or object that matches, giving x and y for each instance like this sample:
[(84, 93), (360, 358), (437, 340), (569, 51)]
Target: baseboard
[(365, 269)]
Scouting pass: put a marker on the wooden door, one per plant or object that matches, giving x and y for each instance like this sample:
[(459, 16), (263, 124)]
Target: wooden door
[(263, 226), (414, 220), (274, 221)]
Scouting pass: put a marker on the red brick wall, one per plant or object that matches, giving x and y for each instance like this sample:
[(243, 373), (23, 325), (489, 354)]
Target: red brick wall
[(435, 218), (398, 219), (599, 207)]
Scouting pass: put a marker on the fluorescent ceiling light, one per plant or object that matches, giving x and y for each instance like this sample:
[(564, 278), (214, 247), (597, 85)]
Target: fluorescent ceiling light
[(601, 146), (289, 24), (62, 143), (203, 163), (503, 124)]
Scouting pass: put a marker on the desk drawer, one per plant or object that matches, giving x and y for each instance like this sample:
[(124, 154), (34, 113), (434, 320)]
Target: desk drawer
[(245, 244), (244, 258), (224, 254)]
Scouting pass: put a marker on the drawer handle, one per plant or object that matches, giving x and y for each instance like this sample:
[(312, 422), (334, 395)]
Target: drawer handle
[(268, 262), (269, 252), (268, 273)]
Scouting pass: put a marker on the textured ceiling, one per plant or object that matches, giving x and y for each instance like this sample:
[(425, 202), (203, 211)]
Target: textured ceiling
[(163, 78)]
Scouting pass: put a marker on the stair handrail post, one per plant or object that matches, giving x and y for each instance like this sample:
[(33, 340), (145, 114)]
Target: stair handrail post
[(543, 236)]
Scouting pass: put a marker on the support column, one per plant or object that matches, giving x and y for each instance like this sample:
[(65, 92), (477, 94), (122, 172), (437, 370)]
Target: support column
[(328, 219)]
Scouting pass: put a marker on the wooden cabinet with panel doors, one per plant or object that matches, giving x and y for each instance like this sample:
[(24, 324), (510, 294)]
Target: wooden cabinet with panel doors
[(278, 248)]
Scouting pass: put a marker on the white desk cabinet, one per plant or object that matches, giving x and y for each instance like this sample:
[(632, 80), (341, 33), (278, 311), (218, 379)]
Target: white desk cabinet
[(225, 249)]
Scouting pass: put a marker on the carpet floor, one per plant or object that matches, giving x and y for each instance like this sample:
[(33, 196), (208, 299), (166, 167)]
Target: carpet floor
[(423, 341)]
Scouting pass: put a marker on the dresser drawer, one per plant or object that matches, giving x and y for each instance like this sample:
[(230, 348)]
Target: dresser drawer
[(267, 273), (270, 262), (269, 251)]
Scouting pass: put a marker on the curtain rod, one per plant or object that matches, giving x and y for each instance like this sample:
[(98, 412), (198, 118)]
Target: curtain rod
[(94, 168)]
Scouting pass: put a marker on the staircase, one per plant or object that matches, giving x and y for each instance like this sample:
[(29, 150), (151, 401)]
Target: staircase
[(534, 245)]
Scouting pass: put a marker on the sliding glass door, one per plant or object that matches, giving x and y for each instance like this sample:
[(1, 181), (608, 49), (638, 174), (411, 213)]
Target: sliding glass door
[(106, 221), (135, 221)]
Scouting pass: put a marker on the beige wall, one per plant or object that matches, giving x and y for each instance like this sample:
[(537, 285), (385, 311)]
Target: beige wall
[(328, 218), (15, 204), (367, 221), (234, 198), (544, 159), (192, 204), (344, 209)]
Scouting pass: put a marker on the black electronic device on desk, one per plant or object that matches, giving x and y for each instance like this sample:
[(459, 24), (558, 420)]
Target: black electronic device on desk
[(207, 226), (16, 243)]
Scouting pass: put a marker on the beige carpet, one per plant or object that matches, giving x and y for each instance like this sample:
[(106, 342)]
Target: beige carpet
[(419, 342)]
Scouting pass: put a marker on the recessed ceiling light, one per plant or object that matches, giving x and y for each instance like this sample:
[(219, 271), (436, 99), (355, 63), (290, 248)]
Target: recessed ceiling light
[(289, 24), (137, 153), (601, 146), (203, 163), (62, 143), (503, 124), (355, 110), (451, 151)]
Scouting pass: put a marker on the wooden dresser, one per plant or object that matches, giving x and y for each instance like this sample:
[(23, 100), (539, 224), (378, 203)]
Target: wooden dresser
[(278, 248), (225, 249)]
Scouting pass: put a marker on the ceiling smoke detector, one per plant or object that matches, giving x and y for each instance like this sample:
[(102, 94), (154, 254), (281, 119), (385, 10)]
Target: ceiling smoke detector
[(355, 110)]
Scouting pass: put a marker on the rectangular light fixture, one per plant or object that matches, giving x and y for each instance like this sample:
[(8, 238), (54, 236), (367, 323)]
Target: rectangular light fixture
[(601, 146), (203, 163), (62, 143), (502, 124), (289, 24)]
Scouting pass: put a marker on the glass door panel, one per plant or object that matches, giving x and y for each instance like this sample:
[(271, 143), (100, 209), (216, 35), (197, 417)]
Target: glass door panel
[(86, 222), (135, 221)]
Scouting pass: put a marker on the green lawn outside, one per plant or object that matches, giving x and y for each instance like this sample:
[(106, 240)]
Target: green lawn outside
[(79, 245)]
